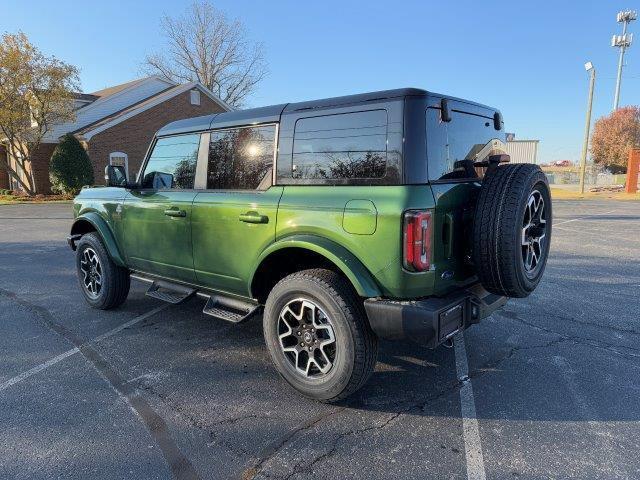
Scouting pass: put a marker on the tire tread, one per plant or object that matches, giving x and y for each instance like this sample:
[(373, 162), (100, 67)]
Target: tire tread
[(365, 340)]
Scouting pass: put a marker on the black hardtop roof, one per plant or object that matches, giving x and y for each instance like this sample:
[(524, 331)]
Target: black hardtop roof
[(272, 113)]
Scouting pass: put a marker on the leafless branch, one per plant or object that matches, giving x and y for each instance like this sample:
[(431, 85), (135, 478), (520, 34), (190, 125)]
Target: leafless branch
[(204, 45)]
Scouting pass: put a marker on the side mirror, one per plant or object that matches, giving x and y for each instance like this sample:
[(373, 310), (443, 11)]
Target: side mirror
[(115, 176), (162, 180), (157, 180)]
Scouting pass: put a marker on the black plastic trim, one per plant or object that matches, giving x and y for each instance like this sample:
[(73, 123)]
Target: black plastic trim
[(431, 321)]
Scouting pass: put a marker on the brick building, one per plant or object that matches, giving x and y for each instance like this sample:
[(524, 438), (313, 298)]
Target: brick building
[(117, 124)]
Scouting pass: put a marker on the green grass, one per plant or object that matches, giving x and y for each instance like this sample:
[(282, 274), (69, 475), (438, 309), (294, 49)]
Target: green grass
[(563, 194), (17, 199)]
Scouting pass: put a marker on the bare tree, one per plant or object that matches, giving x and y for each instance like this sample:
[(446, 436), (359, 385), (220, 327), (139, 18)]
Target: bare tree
[(205, 46), (36, 92)]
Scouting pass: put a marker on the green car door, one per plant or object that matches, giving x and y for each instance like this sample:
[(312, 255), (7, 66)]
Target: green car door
[(234, 219), (156, 217)]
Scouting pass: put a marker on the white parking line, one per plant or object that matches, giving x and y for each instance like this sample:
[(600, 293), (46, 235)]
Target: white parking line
[(582, 218), (73, 351), (470, 431)]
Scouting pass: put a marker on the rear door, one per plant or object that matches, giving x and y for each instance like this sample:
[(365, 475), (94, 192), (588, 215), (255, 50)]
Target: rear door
[(452, 147), (234, 219), (156, 218)]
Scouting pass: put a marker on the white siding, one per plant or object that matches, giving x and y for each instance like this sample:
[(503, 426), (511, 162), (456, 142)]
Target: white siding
[(523, 151), (104, 107)]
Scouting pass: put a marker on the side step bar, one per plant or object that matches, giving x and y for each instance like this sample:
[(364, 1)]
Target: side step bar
[(224, 308), (170, 292), (230, 309)]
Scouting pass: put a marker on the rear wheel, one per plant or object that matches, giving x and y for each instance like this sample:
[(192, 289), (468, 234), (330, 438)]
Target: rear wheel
[(512, 229), (318, 336), (104, 284)]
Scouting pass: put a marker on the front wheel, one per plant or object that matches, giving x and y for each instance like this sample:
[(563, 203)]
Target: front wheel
[(104, 284), (317, 334)]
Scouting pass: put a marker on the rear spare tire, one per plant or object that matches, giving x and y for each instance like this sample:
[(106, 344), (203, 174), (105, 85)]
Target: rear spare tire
[(512, 229)]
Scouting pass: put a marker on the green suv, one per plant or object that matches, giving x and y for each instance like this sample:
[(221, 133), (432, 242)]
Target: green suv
[(391, 215)]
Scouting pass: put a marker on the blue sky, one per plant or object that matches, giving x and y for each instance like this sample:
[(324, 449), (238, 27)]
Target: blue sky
[(525, 58)]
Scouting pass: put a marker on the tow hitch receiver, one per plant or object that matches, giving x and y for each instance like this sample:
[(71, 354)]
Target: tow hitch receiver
[(450, 322)]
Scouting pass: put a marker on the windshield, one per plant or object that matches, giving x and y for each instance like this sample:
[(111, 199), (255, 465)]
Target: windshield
[(453, 147)]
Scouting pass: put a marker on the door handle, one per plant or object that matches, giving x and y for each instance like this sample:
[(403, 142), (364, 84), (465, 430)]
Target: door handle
[(174, 212), (253, 217)]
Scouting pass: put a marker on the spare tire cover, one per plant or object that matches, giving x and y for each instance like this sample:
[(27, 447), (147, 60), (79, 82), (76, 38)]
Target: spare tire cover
[(512, 229)]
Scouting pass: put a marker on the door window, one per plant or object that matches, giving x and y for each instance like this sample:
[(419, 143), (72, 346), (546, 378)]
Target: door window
[(172, 163), (349, 145), (241, 158)]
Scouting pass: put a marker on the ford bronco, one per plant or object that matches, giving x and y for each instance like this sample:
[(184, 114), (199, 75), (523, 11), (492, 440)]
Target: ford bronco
[(386, 215)]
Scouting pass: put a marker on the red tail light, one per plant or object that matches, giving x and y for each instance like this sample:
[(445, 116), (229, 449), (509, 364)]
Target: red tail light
[(417, 240)]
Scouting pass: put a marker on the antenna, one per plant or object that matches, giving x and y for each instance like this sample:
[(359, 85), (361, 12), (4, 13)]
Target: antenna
[(622, 42)]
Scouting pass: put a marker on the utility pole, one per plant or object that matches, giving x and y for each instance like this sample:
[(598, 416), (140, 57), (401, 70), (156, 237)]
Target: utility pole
[(622, 42), (587, 127)]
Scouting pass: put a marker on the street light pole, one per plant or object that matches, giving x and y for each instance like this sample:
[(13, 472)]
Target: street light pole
[(622, 42), (587, 127)]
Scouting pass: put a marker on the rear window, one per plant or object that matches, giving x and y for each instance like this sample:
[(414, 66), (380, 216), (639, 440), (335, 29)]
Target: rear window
[(453, 146), (342, 146)]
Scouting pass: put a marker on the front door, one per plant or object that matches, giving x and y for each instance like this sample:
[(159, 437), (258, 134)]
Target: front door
[(234, 219), (156, 218)]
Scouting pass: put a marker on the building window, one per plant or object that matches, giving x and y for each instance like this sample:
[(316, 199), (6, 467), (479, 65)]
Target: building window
[(120, 159), (195, 97)]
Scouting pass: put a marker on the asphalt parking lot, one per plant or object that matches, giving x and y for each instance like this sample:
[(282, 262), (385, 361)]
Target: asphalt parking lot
[(156, 391)]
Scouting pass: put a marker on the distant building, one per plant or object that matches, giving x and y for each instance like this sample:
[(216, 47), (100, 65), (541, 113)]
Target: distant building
[(523, 151), (117, 124)]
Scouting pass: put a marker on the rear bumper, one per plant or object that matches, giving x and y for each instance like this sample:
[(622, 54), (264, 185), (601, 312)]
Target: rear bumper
[(431, 321)]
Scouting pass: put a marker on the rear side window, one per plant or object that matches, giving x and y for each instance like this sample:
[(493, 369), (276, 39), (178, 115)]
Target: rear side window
[(341, 146), (453, 146), (241, 158), (172, 163)]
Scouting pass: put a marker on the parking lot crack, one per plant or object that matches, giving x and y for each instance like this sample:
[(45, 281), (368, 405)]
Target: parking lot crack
[(568, 318), (307, 466), (488, 367), (272, 449), (575, 338), (206, 427), (180, 466)]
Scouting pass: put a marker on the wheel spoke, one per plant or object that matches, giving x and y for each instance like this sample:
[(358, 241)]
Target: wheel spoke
[(328, 363), (91, 270), (529, 258), (525, 230), (304, 336), (533, 232)]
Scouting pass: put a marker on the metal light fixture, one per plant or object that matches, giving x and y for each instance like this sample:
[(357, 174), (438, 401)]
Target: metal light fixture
[(622, 42)]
